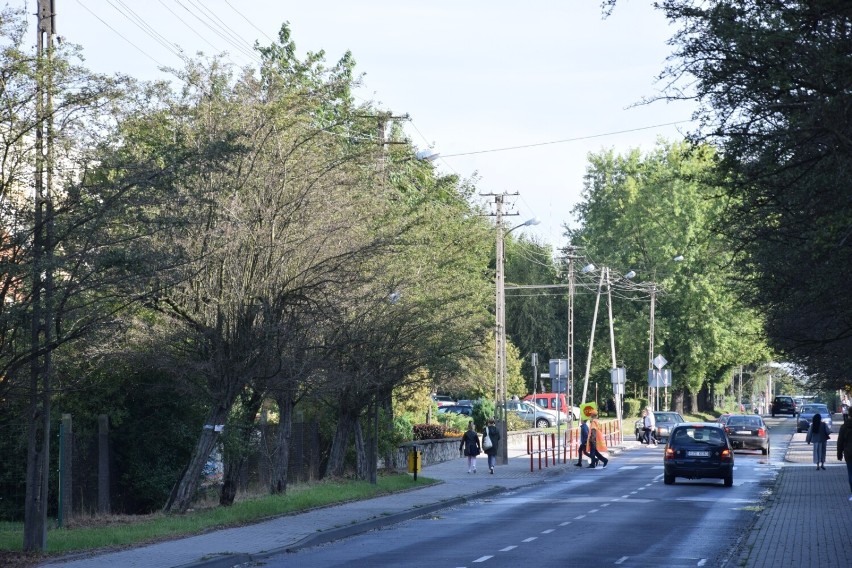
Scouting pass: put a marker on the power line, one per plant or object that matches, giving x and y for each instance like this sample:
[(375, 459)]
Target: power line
[(577, 139), (119, 34)]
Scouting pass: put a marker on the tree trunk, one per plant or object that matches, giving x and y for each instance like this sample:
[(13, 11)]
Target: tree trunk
[(238, 445), (361, 450), (186, 488), (281, 453), (334, 467)]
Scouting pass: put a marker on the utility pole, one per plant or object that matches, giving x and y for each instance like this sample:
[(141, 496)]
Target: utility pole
[(569, 254), (41, 332), (500, 327)]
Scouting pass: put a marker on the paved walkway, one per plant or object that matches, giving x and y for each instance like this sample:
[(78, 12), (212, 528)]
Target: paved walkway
[(806, 519)]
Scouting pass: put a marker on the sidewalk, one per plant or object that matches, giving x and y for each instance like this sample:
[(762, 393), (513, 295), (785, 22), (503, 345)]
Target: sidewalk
[(805, 520)]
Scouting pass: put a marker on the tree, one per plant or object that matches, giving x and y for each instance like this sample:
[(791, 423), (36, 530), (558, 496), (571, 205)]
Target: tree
[(638, 213), (773, 83)]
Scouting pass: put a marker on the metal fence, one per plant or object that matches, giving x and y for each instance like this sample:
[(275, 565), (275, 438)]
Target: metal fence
[(82, 457)]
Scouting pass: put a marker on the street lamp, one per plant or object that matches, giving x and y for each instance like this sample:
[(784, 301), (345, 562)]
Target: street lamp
[(500, 383)]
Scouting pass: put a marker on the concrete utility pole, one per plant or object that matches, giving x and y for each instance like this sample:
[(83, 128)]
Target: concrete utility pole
[(41, 331), (500, 327)]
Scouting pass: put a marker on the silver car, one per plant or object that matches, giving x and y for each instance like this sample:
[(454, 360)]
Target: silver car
[(806, 416), (533, 414)]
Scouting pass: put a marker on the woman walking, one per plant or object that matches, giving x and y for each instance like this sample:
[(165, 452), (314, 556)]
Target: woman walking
[(492, 434), (470, 447), (818, 434)]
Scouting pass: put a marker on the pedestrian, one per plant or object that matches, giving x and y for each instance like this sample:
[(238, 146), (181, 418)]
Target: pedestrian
[(649, 424), (490, 443), (470, 447), (844, 448), (818, 434), (584, 439), (844, 408), (596, 443)]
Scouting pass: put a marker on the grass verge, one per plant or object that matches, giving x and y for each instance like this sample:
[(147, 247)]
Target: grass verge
[(119, 531)]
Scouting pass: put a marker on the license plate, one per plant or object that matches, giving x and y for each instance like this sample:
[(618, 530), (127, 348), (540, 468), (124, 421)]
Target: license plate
[(743, 431), (698, 454)]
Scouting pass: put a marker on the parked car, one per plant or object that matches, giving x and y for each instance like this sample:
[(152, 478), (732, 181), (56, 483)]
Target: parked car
[(664, 423), (806, 416), (698, 451), (533, 414), (465, 409), (748, 432), (547, 400), (443, 400), (783, 405), (723, 418)]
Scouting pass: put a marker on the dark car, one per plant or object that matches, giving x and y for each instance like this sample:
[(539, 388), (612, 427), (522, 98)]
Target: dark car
[(465, 409), (783, 405), (748, 432), (806, 416), (699, 450), (664, 423)]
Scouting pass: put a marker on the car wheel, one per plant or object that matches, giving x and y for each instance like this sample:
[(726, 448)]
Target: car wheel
[(668, 479), (765, 451), (638, 436), (542, 423), (729, 481)]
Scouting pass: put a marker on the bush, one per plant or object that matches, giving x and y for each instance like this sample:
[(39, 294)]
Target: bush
[(634, 406), (483, 409), (429, 431)]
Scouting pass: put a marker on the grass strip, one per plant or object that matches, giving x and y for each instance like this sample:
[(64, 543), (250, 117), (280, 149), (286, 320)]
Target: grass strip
[(103, 532)]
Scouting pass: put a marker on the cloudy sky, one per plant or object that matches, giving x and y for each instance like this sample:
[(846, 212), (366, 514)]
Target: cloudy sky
[(516, 94)]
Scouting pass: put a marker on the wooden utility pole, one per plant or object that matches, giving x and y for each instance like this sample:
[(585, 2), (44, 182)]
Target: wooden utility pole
[(41, 338)]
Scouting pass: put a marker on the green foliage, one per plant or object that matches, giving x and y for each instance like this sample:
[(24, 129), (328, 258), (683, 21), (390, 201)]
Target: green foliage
[(483, 409), (772, 80), (514, 422), (639, 212), (633, 407)]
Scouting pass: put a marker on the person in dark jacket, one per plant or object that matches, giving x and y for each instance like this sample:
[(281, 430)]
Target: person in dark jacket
[(818, 435), (584, 439), (844, 448), (494, 435), (470, 447)]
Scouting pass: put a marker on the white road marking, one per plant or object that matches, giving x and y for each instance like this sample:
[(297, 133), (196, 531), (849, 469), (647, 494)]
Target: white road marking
[(577, 518), (629, 467), (702, 562), (622, 559), (508, 548), (565, 523), (593, 511), (548, 531), (483, 558), (530, 539)]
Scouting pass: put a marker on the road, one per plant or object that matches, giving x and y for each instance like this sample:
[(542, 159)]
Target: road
[(620, 516)]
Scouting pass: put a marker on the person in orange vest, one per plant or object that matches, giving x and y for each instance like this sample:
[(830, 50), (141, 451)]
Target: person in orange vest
[(596, 443)]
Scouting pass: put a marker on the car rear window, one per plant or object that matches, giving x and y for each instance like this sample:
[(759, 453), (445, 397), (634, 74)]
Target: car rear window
[(699, 435), (751, 421)]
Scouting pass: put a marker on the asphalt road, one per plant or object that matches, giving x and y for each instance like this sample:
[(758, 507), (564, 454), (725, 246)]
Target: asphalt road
[(622, 516)]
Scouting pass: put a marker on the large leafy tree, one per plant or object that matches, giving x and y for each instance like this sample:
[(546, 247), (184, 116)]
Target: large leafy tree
[(639, 213), (772, 80)]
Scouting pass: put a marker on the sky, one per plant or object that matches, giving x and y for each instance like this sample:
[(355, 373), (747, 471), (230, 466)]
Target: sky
[(515, 95)]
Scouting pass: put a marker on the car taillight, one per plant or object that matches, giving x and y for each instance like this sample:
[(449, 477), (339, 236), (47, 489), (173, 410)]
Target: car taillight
[(726, 455), (761, 432), (669, 455)]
